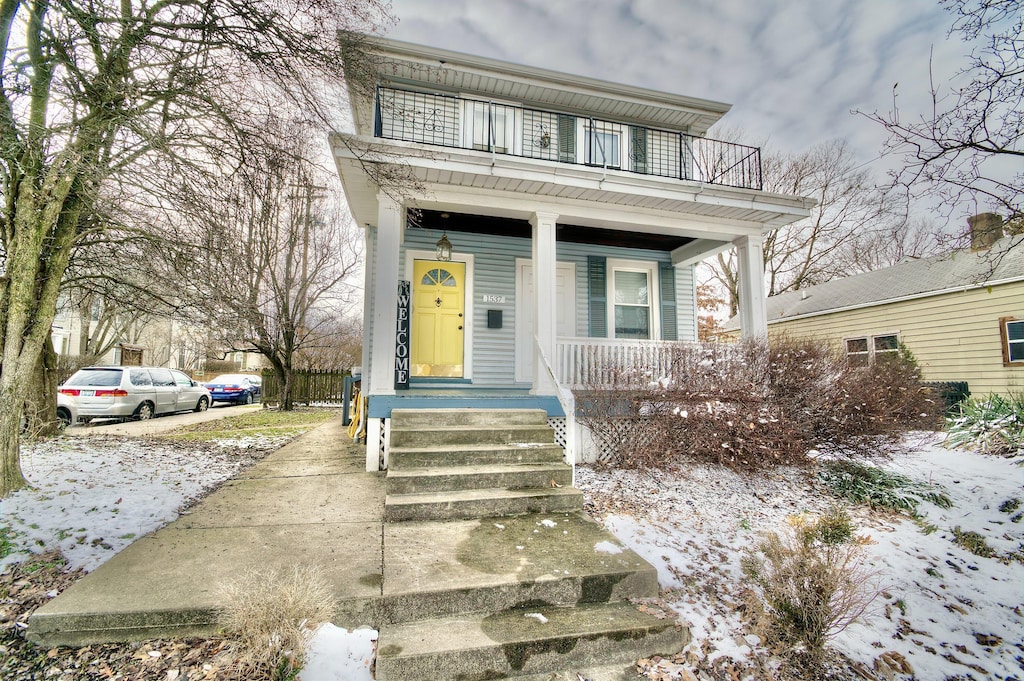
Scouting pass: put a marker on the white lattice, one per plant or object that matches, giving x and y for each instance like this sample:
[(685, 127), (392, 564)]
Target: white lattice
[(558, 424), (385, 442)]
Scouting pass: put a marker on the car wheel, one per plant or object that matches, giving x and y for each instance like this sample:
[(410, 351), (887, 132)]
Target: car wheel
[(63, 418), (144, 412), (203, 405), (248, 398)]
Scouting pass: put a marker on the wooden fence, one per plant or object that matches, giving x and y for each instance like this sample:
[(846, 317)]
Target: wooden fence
[(308, 387)]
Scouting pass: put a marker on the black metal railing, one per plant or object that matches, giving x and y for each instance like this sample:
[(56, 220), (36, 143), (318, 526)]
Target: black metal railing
[(463, 123)]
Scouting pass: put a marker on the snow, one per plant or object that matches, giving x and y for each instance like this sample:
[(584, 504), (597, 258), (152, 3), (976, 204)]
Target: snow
[(537, 616), (607, 547), (944, 609), (92, 496), (335, 654)]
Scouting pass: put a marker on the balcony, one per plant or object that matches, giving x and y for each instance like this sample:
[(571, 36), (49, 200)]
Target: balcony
[(509, 129)]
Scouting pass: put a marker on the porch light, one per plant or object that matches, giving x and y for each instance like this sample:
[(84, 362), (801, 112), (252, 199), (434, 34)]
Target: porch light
[(444, 247)]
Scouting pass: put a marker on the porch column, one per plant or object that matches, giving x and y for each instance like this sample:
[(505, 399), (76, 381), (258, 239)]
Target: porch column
[(545, 284), (384, 300), (753, 312)]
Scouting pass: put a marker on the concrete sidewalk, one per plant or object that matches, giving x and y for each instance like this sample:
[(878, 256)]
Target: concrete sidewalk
[(158, 424), (310, 503)]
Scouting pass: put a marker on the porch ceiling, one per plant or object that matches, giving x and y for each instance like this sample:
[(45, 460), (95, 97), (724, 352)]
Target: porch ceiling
[(507, 186), (519, 228)]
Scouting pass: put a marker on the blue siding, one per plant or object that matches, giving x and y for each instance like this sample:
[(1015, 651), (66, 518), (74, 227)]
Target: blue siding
[(494, 272)]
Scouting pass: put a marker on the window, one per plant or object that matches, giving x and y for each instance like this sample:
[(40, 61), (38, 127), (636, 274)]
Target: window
[(857, 354), (1011, 332), (602, 143), (633, 299), (491, 126), (867, 350)]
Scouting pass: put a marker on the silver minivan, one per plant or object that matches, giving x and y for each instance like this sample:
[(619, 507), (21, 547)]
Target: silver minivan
[(131, 392)]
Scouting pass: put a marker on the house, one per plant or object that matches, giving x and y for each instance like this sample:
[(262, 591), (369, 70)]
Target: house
[(960, 314), (520, 221), (104, 334)]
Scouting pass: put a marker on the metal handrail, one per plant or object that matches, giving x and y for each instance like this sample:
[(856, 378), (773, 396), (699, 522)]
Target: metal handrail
[(447, 120)]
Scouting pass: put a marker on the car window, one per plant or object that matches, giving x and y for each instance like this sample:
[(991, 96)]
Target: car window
[(103, 377), (162, 377), (181, 379), (140, 377)]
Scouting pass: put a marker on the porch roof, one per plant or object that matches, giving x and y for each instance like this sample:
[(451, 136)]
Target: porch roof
[(459, 180), (403, 63)]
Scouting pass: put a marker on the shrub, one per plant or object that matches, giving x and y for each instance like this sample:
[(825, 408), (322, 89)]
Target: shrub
[(753, 405), (272, 616), (994, 425), (878, 488), (808, 583)]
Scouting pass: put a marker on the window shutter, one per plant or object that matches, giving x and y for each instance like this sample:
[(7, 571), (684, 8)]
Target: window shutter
[(597, 290), (669, 327), (638, 149), (566, 138)]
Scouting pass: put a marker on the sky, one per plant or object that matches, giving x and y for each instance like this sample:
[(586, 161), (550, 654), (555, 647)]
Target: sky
[(792, 69)]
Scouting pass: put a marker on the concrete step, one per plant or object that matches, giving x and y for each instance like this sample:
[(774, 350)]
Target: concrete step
[(481, 503), (405, 457), (441, 569), (415, 418), (435, 435), (521, 642), (501, 476)]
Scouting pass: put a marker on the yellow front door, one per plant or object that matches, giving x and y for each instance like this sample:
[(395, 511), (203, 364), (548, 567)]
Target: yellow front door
[(438, 317)]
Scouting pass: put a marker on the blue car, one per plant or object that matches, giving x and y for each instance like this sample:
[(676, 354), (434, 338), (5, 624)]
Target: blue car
[(236, 388)]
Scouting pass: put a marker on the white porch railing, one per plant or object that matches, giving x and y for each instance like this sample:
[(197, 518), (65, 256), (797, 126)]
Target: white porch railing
[(568, 402), (598, 362)]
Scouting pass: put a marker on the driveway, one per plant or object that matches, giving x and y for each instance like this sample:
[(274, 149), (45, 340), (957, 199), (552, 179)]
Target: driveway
[(159, 424)]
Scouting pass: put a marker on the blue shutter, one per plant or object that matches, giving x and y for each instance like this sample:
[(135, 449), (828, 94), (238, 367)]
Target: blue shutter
[(669, 327), (597, 291), (566, 138)]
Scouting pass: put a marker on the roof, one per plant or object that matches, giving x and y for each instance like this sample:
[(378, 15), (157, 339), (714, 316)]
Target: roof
[(956, 271), (445, 70)]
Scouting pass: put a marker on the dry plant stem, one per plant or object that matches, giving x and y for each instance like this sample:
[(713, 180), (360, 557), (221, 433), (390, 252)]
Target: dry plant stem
[(273, 614)]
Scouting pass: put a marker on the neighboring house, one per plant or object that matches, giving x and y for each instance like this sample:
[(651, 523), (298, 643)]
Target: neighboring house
[(960, 314), (543, 219), (136, 340)]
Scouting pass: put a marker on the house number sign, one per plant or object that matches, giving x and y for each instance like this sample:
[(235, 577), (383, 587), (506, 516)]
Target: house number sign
[(492, 298), (402, 337)]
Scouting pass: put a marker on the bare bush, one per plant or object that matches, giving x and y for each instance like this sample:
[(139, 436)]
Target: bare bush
[(753, 405), (273, 615), (809, 583)]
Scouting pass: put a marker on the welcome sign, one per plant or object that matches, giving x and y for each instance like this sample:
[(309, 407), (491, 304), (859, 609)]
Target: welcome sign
[(402, 337)]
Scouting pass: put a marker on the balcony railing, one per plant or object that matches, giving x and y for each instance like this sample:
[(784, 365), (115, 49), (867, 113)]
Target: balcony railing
[(462, 123)]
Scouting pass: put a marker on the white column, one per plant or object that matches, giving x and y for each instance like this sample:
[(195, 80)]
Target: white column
[(753, 313), (370, 251), (384, 307), (545, 286)]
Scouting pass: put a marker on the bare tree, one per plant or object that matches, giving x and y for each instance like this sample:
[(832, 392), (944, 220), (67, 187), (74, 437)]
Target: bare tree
[(263, 254), (814, 250), (967, 150), (338, 345), (99, 97)]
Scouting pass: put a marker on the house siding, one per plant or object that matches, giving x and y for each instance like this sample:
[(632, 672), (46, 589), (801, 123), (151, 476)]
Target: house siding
[(954, 336), (494, 272)]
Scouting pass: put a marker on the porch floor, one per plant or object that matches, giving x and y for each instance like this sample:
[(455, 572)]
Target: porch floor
[(462, 396)]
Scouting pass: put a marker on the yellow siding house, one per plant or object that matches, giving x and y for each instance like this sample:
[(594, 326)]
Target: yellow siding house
[(961, 315)]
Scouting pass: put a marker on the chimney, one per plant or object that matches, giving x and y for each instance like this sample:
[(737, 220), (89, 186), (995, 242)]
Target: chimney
[(986, 229)]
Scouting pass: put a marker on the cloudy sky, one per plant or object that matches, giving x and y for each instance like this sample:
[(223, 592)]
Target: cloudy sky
[(792, 69)]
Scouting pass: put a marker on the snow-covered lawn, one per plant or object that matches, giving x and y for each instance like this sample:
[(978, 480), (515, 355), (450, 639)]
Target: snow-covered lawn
[(93, 496), (945, 611)]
